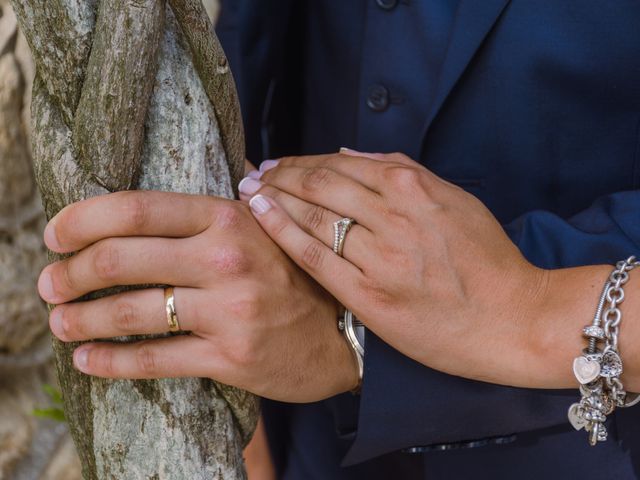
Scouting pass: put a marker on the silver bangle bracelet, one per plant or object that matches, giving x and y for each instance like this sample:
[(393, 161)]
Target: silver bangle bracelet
[(598, 369)]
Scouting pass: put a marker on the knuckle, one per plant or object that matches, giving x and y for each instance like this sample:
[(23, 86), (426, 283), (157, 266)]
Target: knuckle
[(271, 192), (230, 260), (313, 255), (279, 226), (106, 261), (287, 161), (399, 158), (229, 217), (316, 178), (101, 360), (136, 207), (68, 279), (147, 360), (126, 318), (404, 177), (69, 221), (314, 218), (245, 309)]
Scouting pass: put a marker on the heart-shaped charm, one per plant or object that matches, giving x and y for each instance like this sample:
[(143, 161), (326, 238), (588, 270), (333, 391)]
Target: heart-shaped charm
[(586, 370), (611, 365), (576, 420)]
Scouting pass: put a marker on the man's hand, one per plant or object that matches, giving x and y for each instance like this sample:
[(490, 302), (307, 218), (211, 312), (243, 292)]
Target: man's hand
[(256, 321)]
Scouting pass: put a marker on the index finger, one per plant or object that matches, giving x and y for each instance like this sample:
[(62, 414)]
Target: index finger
[(369, 169), (130, 213)]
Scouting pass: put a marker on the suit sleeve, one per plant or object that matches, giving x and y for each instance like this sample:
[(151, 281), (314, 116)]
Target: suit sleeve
[(405, 404), (253, 35)]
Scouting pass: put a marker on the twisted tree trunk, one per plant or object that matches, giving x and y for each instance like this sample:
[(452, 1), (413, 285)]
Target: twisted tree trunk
[(137, 94)]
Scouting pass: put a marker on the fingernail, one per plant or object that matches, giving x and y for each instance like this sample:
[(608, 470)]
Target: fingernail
[(249, 186), (268, 165), (259, 204), (351, 152), (255, 174), (81, 358), (45, 287), (50, 237), (55, 322)]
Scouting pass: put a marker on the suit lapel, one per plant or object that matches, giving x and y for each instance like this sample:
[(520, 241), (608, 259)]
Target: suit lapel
[(474, 20)]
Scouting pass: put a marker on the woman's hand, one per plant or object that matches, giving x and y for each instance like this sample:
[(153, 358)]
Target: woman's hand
[(256, 321), (426, 267)]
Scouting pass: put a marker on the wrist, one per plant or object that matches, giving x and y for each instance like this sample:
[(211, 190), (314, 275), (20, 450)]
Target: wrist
[(343, 366), (347, 367), (568, 304)]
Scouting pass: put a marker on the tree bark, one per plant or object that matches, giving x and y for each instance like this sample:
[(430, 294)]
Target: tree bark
[(137, 94), (30, 447)]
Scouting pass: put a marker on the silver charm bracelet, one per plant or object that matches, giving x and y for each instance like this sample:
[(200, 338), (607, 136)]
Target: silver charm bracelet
[(598, 370)]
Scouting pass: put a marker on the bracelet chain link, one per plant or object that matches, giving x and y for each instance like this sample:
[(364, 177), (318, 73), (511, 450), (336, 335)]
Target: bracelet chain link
[(598, 370)]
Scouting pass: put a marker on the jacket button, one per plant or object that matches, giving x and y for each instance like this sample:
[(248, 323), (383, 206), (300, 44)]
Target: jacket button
[(378, 99), (387, 4)]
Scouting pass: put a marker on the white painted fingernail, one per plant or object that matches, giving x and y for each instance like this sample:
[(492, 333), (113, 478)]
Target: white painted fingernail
[(351, 152), (249, 186), (256, 174), (268, 165), (260, 205)]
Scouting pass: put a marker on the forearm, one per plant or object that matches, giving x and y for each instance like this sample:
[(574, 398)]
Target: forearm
[(565, 305)]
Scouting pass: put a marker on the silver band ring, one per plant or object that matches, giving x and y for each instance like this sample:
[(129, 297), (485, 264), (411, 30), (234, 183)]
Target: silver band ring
[(340, 230)]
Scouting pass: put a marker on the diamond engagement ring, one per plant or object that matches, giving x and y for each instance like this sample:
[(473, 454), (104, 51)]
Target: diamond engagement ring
[(340, 230)]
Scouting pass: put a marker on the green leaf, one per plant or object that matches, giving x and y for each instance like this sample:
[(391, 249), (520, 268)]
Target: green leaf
[(52, 413), (55, 412), (54, 394)]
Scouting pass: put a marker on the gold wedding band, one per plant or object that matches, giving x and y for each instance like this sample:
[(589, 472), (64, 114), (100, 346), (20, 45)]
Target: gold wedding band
[(170, 306), (340, 230)]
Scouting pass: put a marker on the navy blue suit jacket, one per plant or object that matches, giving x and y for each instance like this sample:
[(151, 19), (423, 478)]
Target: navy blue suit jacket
[(533, 107)]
